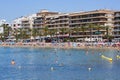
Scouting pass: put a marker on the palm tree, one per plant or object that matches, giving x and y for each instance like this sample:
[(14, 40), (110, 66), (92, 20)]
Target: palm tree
[(91, 27), (39, 33), (63, 31), (16, 34), (107, 32), (99, 28), (54, 32), (69, 31), (45, 31), (20, 33), (1, 37), (50, 33), (83, 29), (76, 30), (108, 36), (25, 34), (5, 31), (35, 32)]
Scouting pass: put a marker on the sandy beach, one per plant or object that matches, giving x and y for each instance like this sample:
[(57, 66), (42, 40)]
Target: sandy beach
[(67, 45)]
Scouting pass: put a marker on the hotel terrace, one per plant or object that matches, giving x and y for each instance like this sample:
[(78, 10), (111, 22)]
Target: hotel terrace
[(88, 26)]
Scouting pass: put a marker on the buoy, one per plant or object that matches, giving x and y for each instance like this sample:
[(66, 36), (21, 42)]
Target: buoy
[(89, 69), (52, 68), (118, 57)]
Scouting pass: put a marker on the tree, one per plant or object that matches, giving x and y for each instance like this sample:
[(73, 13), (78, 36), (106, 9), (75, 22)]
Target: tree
[(63, 31), (5, 33), (91, 27), (54, 32), (83, 29), (35, 32), (76, 30), (69, 31), (16, 35), (108, 36), (20, 33), (45, 31), (1, 36), (39, 33), (25, 34)]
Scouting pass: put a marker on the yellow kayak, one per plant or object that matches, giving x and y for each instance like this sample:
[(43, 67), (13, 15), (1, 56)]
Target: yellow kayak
[(118, 57), (107, 58)]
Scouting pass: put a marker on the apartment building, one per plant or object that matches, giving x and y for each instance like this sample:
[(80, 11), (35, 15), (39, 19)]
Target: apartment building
[(116, 31), (40, 19), (60, 23), (2, 21), (90, 25), (85, 19), (28, 21), (17, 23)]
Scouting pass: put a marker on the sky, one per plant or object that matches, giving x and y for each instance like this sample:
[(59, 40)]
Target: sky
[(12, 9)]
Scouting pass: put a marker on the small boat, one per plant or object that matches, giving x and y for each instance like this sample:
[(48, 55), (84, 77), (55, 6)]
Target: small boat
[(107, 58)]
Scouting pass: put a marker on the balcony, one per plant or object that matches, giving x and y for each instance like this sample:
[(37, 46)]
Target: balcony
[(77, 18), (117, 20), (117, 15), (87, 22), (116, 29), (64, 35), (25, 26), (117, 25), (117, 35)]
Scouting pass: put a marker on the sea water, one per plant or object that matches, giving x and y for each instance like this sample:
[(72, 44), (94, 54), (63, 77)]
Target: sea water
[(58, 64)]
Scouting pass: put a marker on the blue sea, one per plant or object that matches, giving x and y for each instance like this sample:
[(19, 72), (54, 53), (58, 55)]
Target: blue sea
[(58, 64)]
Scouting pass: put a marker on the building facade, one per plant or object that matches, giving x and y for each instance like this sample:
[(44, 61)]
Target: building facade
[(91, 19), (17, 23), (88, 26), (116, 31)]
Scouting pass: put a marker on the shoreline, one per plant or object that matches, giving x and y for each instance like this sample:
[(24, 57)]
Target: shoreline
[(61, 45)]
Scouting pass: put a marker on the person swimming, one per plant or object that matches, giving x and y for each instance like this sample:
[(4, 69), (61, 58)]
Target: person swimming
[(13, 62)]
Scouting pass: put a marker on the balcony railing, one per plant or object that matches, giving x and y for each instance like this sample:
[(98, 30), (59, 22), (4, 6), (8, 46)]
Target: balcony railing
[(117, 15), (117, 25), (116, 30), (117, 20), (77, 18)]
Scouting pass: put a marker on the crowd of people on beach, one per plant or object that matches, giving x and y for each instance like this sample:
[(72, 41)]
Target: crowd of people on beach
[(62, 45)]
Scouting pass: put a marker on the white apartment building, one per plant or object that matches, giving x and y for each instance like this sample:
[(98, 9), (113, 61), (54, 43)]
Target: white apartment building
[(28, 21), (17, 23), (23, 22), (2, 21)]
